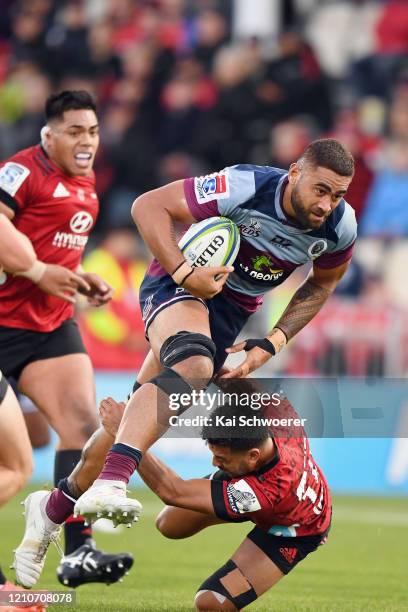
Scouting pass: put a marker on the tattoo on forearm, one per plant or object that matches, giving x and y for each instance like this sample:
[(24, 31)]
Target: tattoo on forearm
[(304, 305)]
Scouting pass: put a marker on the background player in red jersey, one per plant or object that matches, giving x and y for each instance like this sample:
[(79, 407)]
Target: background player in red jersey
[(49, 192)]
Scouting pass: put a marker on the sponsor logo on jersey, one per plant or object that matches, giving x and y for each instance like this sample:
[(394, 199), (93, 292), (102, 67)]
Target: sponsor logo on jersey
[(262, 269), (317, 248), (242, 498), (212, 186), (60, 191), (64, 240), (253, 230), (12, 176), (81, 222), (81, 195), (280, 241)]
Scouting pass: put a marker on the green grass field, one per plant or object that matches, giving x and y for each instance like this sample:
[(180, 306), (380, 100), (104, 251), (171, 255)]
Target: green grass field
[(362, 567)]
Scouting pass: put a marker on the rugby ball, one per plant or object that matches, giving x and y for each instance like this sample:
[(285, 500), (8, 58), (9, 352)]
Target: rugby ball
[(211, 242)]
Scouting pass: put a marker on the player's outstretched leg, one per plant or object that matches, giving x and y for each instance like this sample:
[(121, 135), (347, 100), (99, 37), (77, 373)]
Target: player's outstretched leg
[(40, 531), (181, 341), (45, 512)]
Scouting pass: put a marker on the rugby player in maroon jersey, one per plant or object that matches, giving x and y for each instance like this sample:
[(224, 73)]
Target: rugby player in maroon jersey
[(48, 191), (193, 315)]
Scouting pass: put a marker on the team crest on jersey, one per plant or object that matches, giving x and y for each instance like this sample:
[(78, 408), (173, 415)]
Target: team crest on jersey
[(242, 498), (12, 176), (251, 231), (211, 187), (317, 248)]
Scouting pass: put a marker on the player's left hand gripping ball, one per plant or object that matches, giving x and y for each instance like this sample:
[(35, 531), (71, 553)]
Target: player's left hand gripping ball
[(100, 292)]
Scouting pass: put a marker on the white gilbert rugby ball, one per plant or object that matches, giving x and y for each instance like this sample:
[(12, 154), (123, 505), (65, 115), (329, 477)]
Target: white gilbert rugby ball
[(212, 242)]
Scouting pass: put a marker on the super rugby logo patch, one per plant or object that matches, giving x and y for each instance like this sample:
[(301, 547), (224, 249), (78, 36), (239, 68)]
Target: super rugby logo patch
[(242, 498), (211, 187), (12, 176)]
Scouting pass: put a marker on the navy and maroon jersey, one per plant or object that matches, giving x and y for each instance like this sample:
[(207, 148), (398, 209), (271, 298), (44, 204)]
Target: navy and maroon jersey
[(288, 496), (57, 213), (272, 246)]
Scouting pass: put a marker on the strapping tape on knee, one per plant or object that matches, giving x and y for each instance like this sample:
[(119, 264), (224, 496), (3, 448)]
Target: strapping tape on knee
[(186, 344), (213, 583), (171, 382)]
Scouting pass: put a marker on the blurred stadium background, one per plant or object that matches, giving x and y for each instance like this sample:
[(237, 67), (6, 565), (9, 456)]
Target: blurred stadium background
[(187, 87)]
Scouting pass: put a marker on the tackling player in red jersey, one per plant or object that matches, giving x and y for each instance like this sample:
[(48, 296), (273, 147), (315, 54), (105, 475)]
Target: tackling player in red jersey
[(267, 476), (49, 193)]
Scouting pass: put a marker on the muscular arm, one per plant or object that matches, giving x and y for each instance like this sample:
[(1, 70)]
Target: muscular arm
[(308, 300), (173, 490), (16, 251), (154, 213)]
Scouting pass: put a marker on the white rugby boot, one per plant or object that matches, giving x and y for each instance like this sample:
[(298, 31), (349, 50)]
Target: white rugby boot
[(40, 531), (107, 499)]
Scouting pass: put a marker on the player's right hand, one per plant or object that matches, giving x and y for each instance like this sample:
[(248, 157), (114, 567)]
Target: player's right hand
[(111, 413), (62, 282), (205, 283)]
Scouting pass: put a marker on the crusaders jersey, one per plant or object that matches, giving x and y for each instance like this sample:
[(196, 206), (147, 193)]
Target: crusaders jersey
[(57, 213), (288, 496)]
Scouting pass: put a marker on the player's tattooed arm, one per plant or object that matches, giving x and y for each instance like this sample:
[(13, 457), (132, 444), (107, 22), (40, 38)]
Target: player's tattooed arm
[(309, 299)]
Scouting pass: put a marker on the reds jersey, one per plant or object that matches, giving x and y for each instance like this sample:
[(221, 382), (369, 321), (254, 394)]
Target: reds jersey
[(288, 496), (57, 213)]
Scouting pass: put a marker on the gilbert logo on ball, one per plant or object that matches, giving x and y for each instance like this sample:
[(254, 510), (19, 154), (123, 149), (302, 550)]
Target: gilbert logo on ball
[(210, 243)]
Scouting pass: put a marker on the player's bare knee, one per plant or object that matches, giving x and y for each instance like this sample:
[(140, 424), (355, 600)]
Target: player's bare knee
[(168, 527), (210, 600), (164, 526), (21, 474)]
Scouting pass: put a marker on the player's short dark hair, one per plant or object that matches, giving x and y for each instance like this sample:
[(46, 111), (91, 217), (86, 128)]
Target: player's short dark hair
[(235, 436), (57, 104), (329, 153)]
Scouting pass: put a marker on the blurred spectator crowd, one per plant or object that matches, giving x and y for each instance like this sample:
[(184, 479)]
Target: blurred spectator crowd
[(187, 87)]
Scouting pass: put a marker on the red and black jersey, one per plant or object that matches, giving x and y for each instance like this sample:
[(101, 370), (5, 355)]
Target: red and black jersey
[(288, 496), (57, 212)]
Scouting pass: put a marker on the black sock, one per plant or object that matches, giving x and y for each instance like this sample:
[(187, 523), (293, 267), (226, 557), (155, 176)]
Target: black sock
[(75, 531), (2, 578)]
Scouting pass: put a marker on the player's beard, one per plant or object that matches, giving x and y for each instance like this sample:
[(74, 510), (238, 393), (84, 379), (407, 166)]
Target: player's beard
[(302, 213)]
